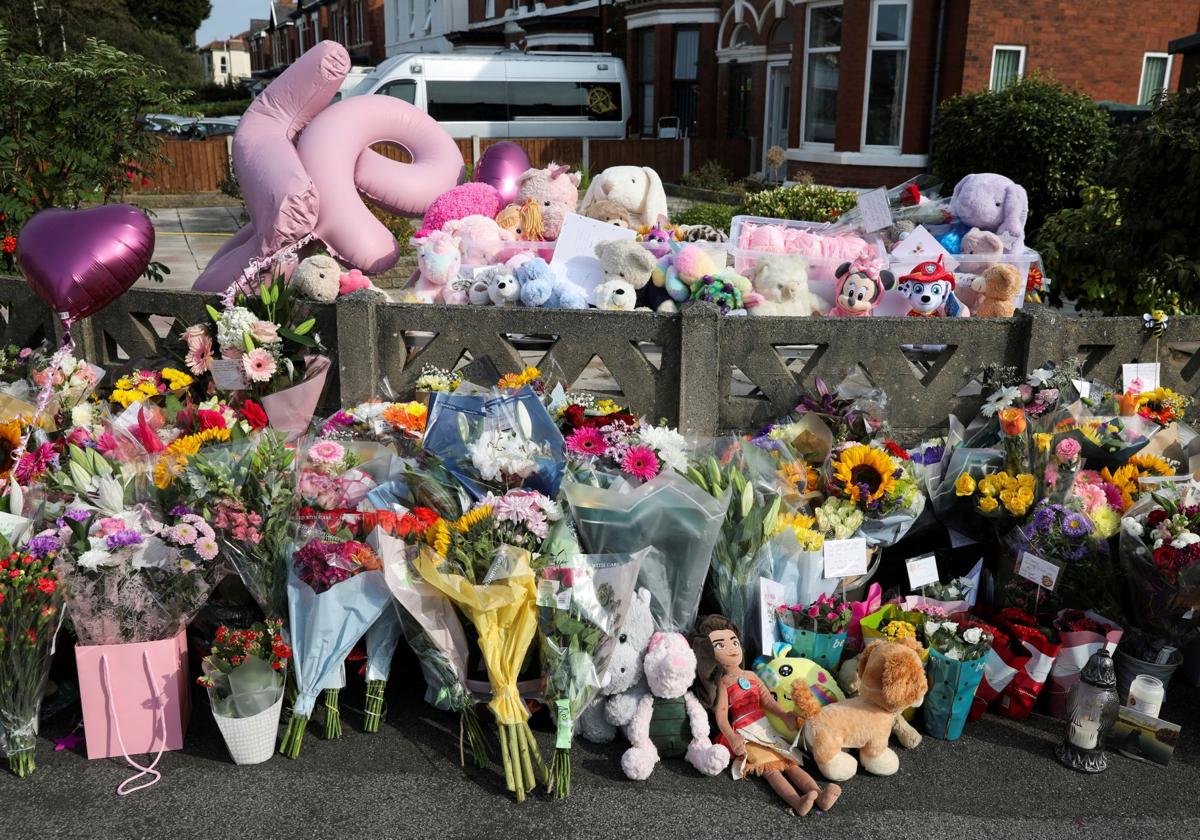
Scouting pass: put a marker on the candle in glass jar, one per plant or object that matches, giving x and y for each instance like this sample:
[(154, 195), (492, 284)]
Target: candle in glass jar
[(1084, 734), (1146, 695)]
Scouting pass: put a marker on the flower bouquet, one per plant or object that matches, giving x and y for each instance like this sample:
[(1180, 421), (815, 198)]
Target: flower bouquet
[(1080, 634), (581, 605), (1042, 397), (264, 348), (957, 657), (892, 622), (816, 631), (31, 610), (244, 674), (853, 411), (879, 484), (1016, 667), (617, 445), (500, 601), (954, 597), (1160, 558), (336, 591), (496, 443)]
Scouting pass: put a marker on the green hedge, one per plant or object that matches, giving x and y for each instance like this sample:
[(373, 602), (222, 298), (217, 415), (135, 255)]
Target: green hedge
[(216, 109), (717, 215), (802, 202)]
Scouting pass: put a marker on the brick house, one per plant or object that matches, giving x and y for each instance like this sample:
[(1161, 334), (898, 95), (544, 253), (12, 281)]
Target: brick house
[(293, 28), (442, 25), (847, 87)]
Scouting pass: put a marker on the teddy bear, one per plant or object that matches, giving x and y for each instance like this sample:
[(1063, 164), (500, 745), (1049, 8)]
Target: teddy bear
[(622, 680), (608, 212), (481, 239), (994, 203), (555, 189), (627, 261), (668, 720), (891, 679), (616, 296), (540, 286), (438, 261), (998, 287), (469, 199), (782, 280), (317, 278), (636, 188)]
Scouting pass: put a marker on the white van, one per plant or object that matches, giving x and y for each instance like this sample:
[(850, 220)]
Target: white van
[(510, 94), (353, 79)]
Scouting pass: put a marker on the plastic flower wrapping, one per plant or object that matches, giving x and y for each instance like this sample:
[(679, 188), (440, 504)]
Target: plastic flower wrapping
[(245, 670), (878, 484)]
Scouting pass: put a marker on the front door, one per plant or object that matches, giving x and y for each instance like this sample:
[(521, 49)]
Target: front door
[(775, 130)]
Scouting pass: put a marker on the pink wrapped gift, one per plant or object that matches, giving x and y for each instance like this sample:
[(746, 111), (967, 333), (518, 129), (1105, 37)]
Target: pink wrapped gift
[(136, 697), (292, 409)]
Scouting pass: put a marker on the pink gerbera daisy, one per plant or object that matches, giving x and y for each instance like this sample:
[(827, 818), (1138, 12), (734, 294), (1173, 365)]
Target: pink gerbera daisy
[(259, 365), (585, 441), (200, 356), (640, 462), (326, 452)]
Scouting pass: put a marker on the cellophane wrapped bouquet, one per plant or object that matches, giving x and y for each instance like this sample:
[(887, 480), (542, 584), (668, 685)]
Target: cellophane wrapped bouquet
[(581, 604), (957, 655), (1160, 559)]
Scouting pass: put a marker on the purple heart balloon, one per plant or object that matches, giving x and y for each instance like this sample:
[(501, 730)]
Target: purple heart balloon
[(500, 165), (80, 261)]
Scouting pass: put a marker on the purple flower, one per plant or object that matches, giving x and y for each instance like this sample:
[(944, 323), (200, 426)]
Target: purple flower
[(43, 544), (77, 515), (336, 422), (930, 455), (1043, 519), (1077, 525), (123, 539), (181, 510)]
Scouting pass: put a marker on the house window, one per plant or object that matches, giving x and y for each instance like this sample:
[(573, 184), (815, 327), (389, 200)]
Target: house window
[(645, 67), (685, 89), (314, 23), (782, 35), (224, 66), (429, 17), (887, 70), (489, 9), (300, 27), (1156, 77), (1008, 65), (741, 37), (360, 27), (822, 48), (740, 76), (412, 17)]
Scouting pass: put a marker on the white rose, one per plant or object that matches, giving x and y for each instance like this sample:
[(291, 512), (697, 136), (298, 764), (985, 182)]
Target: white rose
[(972, 635)]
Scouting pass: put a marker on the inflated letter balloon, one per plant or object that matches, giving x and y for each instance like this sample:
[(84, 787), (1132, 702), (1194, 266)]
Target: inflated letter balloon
[(280, 196), (500, 165), (334, 150), (80, 261)]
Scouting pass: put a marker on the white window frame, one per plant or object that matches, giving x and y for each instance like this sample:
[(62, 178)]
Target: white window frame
[(808, 50), (1020, 62), (489, 9), (314, 21), (301, 28), (360, 23), (1142, 75), (889, 46)]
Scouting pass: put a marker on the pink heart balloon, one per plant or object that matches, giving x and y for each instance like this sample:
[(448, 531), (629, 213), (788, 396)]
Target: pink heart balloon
[(80, 261)]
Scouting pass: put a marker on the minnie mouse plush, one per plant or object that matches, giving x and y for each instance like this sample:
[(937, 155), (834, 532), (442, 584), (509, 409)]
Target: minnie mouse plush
[(929, 288), (860, 288)]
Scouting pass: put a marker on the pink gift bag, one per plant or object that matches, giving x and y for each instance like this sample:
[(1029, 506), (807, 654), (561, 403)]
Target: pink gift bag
[(136, 697), (292, 409)]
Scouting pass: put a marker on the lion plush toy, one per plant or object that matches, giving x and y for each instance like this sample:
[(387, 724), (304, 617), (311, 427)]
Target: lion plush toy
[(891, 679)]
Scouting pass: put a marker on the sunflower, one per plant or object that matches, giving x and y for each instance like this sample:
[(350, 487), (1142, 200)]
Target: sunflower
[(865, 474), (1148, 464), (472, 518), (1125, 479), (11, 434)]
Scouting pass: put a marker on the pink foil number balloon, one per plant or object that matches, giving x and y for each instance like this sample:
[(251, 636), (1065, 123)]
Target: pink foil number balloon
[(500, 165), (80, 261)]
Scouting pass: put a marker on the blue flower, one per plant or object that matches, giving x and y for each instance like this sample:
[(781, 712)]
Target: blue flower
[(1077, 525)]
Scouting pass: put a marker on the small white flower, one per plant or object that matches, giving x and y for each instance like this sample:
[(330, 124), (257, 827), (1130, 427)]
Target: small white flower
[(1003, 398), (95, 558), (1040, 377), (1132, 527), (972, 635)]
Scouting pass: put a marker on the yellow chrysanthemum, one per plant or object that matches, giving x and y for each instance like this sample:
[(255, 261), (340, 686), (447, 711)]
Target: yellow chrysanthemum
[(126, 397), (796, 522), (810, 540), (607, 407), (176, 379), (964, 485), (408, 417), (896, 630), (860, 467)]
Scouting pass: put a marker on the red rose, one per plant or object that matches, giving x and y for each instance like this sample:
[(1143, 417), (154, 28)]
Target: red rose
[(253, 414), (574, 416), (209, 419)]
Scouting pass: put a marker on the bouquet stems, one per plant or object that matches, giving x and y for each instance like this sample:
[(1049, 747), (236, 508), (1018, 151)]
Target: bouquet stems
[(20, 757), (333, 714), (293, 737), (560, 773), (373, 714), (475, 741), (520, 754)]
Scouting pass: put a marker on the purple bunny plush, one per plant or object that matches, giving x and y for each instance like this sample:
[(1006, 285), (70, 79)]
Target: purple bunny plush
[(992, 202)]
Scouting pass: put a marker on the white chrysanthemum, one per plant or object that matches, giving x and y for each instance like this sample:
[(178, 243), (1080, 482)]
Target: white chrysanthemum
[(667, 443)]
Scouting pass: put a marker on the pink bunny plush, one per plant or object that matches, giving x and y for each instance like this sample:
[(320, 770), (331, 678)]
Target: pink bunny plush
[(353, 281), (555, 189), (438, 259), (482, 240)]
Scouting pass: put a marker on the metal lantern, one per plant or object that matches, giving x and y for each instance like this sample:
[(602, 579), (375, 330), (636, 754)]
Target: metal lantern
[(1092, 710)]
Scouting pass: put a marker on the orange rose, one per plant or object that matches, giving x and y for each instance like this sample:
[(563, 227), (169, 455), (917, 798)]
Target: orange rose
[(1012, 421)]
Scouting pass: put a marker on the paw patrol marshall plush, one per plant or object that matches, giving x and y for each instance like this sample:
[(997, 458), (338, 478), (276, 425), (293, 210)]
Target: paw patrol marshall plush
[(929, 288)]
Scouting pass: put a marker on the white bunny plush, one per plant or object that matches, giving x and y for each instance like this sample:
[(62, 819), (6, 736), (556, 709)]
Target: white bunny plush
[(636, 188)]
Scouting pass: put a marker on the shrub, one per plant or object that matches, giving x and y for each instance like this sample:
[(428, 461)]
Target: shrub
[(802, 202), (1132, 246), (68, 128), (233, 108), (717, 215), (1046, 138), (711, 175)]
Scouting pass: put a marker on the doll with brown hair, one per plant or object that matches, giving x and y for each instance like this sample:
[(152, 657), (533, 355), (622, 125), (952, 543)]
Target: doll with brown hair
[(739, 702)]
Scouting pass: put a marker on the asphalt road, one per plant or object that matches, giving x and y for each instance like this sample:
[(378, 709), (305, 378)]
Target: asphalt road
[(1000, 780)]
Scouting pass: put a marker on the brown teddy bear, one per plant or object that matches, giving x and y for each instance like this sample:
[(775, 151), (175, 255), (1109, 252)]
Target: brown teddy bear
[(608, 212), (998, 288), (891, 679)]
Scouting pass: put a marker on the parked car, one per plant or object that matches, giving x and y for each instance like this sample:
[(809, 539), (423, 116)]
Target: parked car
[(510, 94), (207, 127), (173, 124)]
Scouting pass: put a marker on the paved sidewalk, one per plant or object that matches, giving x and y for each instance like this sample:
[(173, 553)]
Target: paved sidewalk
[(186, 239)]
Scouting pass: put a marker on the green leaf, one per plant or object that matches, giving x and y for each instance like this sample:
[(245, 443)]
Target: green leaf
[(302, 340)]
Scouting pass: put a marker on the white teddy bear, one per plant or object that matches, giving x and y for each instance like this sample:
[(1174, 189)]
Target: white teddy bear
[(317, 278), (622, 679), (782, 280), (618, 295)]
